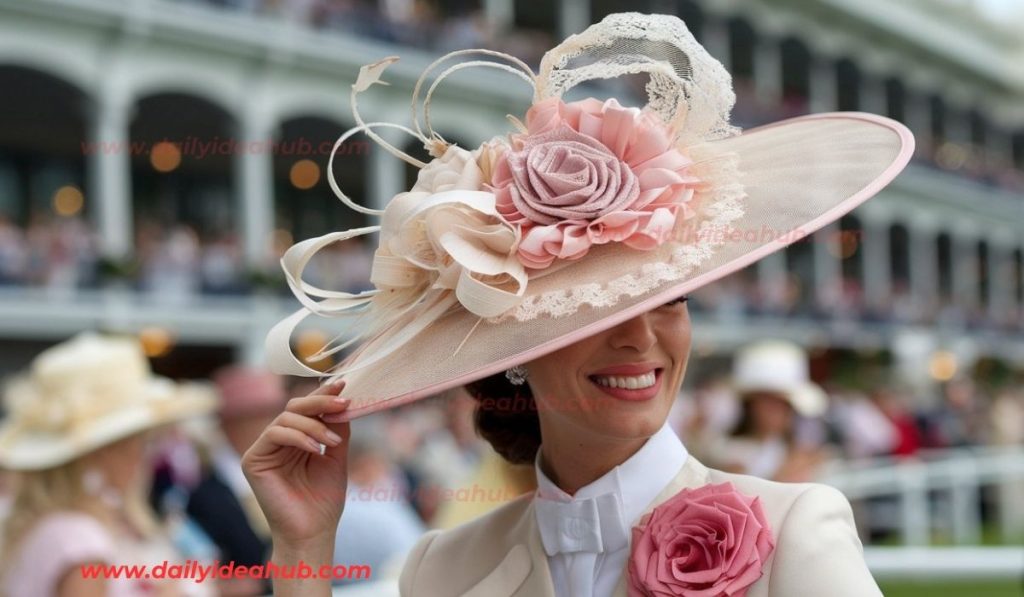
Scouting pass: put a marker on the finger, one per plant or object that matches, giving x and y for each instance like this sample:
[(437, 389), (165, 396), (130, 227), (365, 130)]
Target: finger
[(311, 427), (314, 405), (340, 451), (336, 417), (293, 438)]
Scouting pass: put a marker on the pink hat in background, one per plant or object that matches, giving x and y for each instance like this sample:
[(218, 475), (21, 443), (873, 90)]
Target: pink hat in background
[(247, 391)]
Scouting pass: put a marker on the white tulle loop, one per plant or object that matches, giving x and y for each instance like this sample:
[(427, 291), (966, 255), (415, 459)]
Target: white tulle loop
[(458, 67), (334, 150), (523, 71)]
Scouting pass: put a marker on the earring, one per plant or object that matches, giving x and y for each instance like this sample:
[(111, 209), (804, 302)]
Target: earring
[(516, 375)]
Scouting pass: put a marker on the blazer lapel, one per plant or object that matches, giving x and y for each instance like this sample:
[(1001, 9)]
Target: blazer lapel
[(524, 571), (692, 474)]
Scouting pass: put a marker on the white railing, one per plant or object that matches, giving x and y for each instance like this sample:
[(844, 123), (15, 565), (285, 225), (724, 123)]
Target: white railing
[(949, 480)]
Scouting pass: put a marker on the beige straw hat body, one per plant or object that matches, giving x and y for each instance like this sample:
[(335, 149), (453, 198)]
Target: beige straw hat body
[(587, 214), (84, 394)]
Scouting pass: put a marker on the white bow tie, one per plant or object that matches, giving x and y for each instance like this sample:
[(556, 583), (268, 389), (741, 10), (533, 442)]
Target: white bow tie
[(593, 525)]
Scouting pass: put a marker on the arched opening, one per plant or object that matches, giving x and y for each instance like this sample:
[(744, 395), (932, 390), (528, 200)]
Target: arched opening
[(693, 16), (800, 295), (306, 207), (184, 151), (796, 77), (741, 49), (895, 99), (944, 254), (851, 259), (45, 209), (899, 251), (848, 81), (981, 253)]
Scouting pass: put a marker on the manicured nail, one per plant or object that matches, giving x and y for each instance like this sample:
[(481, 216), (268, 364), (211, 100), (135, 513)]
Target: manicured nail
[(314, 444), (333, 437)]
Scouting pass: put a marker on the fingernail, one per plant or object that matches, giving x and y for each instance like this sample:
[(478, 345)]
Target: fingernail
[(334, 438), (343, 400), (314, 444)]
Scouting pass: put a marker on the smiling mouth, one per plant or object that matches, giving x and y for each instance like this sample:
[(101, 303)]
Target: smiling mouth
[(619, 386)]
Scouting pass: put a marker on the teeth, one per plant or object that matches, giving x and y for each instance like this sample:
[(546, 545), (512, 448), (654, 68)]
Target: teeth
[(635, 382)]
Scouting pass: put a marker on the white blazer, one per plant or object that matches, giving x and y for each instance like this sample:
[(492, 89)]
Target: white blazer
[(500, 554)]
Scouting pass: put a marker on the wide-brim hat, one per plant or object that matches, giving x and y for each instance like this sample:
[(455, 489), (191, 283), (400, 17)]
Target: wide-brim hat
[(779, 367), (86, 393), (588, 215)]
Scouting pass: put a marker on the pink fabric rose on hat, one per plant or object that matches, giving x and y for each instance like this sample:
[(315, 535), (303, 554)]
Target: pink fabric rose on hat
[(706, 542), (591, 172)]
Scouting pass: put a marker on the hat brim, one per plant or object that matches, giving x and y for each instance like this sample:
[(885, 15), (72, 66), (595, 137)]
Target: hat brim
[(807, 399), (798, 176), (163, 402)]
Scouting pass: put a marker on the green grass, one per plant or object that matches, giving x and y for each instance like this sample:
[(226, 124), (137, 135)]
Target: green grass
[(954, 589)]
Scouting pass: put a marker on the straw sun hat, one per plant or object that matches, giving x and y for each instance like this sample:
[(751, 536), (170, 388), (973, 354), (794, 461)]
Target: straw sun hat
[(84, 394), (780, 368), (585, 215)]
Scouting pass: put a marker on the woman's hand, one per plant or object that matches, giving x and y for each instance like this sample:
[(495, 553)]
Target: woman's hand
[(301, 491)]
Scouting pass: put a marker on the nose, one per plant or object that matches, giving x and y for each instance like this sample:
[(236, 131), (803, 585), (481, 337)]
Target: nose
[(637, 333)]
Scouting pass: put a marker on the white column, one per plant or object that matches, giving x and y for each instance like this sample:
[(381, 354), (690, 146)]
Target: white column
[(386, 176), (500, 13), (254, 187), (109, 187), (1000, 281), (768, 71), (828, 272), (573, 17), (875, 257), (965, 270), (823, 83), (715, 34), (924, 267)]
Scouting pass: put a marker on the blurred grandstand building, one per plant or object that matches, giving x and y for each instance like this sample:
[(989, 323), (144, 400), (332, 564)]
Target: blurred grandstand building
[(157, 156)]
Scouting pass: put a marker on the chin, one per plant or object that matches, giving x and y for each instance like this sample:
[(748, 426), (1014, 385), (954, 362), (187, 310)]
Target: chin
[(630, 423)]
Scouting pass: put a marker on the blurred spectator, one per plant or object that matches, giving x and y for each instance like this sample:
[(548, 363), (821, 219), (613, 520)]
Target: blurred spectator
[(895, 406), (776, 394), (866, 429), (380, 525), (959, 421), (222, 503), (79, 435)]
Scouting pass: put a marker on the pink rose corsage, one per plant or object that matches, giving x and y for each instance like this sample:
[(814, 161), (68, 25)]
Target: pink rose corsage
[(706, 542), (591, 172)]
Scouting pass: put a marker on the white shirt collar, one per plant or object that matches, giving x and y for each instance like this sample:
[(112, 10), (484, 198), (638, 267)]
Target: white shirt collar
[(637, 481)]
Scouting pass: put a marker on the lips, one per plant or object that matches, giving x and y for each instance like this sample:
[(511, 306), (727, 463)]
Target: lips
[(629, 382)]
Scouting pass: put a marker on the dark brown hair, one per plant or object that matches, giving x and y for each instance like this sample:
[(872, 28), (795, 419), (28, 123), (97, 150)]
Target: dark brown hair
[(506, 416)]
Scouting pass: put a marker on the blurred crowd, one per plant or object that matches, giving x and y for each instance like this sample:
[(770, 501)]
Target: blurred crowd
[(429, 24), (423, 466), (61, 254)]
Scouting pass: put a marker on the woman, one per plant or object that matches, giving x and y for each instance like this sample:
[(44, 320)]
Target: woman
[(562, 257), (77, 436), (776, 395)]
